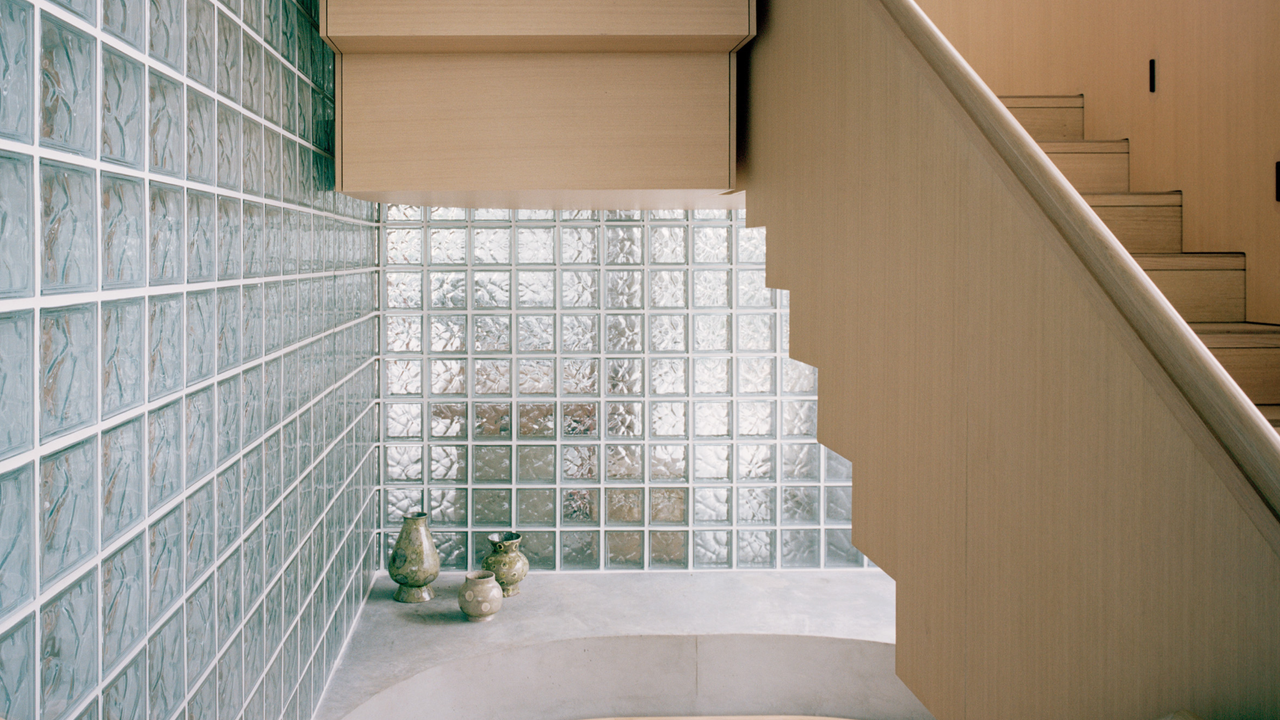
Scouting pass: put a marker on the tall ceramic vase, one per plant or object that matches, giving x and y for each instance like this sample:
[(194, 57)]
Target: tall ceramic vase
[(507, 562), (415, 563)]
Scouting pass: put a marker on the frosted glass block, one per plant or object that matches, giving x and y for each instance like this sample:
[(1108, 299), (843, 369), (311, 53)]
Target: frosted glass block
[(166, 32), (755, 333), (122, 353), (580, 376), (17, 351), (227, 494), (68, 368), (711, 288), (752, 292), (580, 463), (838, 469), (535, 246), (16, 532), (667, 333), (491, 246), (492, 377), (165, 335), (164, 539), (164, 128), (448, 333), (492, 290), (578, 215), (202, 138), (228, 60), (401, 502), (800, 548), (492, 421), (16, 226), (668, 462), (751, 245), (448, 463), (756, 548), (712, 419), (123, 485), (755, 419), (625, 462), (166, 213), (668, 506), (711, 245), (713, 463), (453, 549), (839, 505), (579, 246), (624, 289), (580, 550), (448, 290), (626, 376), (755, 462), (229, 326), (251, 468), (228, 580), (69, 647), (449, 420), (254, 224), (404, 290), (272, 167), (711, 549), (123, 109), (200, 434), (711, 506), (711, 376), (800, 462), (668, 549), (124, 699), (711, 333), (200, 44), (537, 420), (579, 289), (164, 460), (404, 246), (17, 675), (799, 505), (492, 508), (580, 420), (67, 88), (229, 239), (492, 333), (407, 212), (667, 289), (252, 322), (624, 550), (536, 377), (404, 334), (756, 376), (447, 246), (404, 420), (251, 65), (534, 214), (798, 378), (668, 419), (623, 215), (624, 506), (580, 333), (622, 245), (624, 333), (448, 507), (124, 600), (164, 669), (16, 46), (404, 463), (625, 419), (68, 214), (667, 245), (668, 376), (580, 506), (536, 289), (536, 333), (201, 259), (536, 463), (448, 377), (800, 418), (404, 377)]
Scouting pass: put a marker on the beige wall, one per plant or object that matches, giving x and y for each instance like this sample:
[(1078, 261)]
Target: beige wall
[(1212, 129)]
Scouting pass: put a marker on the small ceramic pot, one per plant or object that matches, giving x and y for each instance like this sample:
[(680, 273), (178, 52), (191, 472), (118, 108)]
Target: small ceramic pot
[(480, 596), (415, 563), (507, 563)]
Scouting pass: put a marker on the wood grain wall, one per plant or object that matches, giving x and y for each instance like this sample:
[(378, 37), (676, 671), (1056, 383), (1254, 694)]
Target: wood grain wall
[(1060, 523), (1211, 129)]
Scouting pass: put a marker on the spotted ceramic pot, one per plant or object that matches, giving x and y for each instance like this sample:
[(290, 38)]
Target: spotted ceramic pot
[(480, 596), (415, 563), (507, 563)]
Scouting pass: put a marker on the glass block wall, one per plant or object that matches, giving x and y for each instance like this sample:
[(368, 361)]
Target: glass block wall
[(615, 386), (188, 372)]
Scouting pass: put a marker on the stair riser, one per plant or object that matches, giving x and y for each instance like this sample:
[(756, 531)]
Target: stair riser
[(1203, 295), (1094, 172), (1145, 229), (1051, 124), (1255, 370)]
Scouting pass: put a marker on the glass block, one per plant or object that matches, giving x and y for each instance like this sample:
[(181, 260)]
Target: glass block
[(580, 376), (491, 507), (166, 241), (751, 245), (492, 421), (200, 434), (448, 507), (404, 377), (164, 326), (536, 289), (800, 418), (668, 419), (626, 377), (625, 419), (449, 420), (755, 333), (839, 470), (228, 578), (448, 377), (756, 548), (624, 550), (401, 502), (711, 333), (711, 506), (579, 246), (669, 549), (713, 463), (67, 369), (16, 46), (756, 506), (536, 377), (69, 647), (448, 333), (711, 376), (404, 420), (252, 68), (202, 138), (200, 44), (799, 506), (711, 549), (839, 505), (840, 549), (712, 419), (124, 600), (202, 645), (579, 289), (755, 376), (667, 245), (15, 220), (229, 415), (711, 245), (452, 548), (228, 497), (580, 420), (164, 539), (404, 463), (17, 352), (580, 506), (252, 310), (228, 60), (580, 550), (164, 122), (491, 246), (17, 674), (625, 462), (752, 292), (230, 689), (580, 333), (624, 506), (580, 463), (711, 289), (492, 290), (404, 334), (166, 32), (164, 443), (492, 463), (667, 333), (755, 462), (492, 377), (798, 378), (123, 699), (67, 88), (800, 548), (448, 289), (68, 213), (536, 463), (667, 289), (755, 418), (668, 376), (404, 246), (800, 462), (164, 665), (16, 532), (123, 111), (540, 548), (447, 246), (624, 333), (122, 355), (536, 333), (668, 462), (535, 246), (230, 245), (203, 704), (201, 259), (448, 463), (123, 485), (622, 245), (668, 506)]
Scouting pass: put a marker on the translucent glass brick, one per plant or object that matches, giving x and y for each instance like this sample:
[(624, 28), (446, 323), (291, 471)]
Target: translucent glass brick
[(491, 246), (404, 463), (164, 668), (755, 462), (404, 246), (579, 289), (755, 418), (580, 463), (801, 461), (404, 377), (491, 508), (404, 334), (800, 418), (448, 333), (485, 214), (202, 139), (536, 377), (713, 463), (624, 550), (448, 289), (123, 699), (123, 109), (16, 50), (667, 245), (201, 258), (448, 420), (67, 88), (580, 506), (492, 463), (668, 419), (668, 462), (492, 421), (799, 505), (123, 493), (535, 245), (252, 68), (536, 464), (839, 504), (166, 32), (667, 333), (448, 377), (840, 550), (492, 333), (17, 352), (838, 469), (580, 376), (228, 57), (752, 292), (711, 289), (401, 502), (668, 506), (16, 224), (624, 333), (751, 245), (68, 215), (68, 368), (16, 533), (229, 238), (452, 547), (580, 550), (667, 289), (580, 333), (200, 43), (200, 434), (404, 420), (536, 289), (624, 463), (756, 548), (800, 548), (492, 377), (164, 540), (536, 421), (711, 376), (580, 420), (448, 507), (798, 378), (404, 290), (579, 246), (124, 600), (712, 419), (712, 549), (410, 213), (166, 241), (756, 506), (164, 454), (625, 419), (668, 376), (228, 577), (668, 549), (69, 654), (251, 315), (756, 376), (624, 289), (624, 506), (492, 290), (711, 245), (448, 463), (625, 377), (448, 246), (711, 333), (17, 673), (711, 506)]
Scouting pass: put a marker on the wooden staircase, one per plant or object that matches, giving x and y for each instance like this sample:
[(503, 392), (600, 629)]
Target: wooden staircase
[(1207, 289)]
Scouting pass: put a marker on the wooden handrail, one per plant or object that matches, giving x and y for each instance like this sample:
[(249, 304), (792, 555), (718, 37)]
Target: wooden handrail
[(1229, 414)]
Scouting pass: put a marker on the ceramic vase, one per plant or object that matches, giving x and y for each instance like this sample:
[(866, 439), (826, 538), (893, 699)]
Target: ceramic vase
[(507, 563), (480, 596), (415, 563)]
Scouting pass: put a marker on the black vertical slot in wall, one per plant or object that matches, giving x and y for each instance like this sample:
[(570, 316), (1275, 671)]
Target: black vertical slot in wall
[(1278, 182), (1151, 75)]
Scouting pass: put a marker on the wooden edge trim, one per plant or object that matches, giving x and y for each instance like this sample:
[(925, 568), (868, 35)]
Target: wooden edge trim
[(1190, 261), (1100, 147), (1042, 101), (1234, 420), (1169, 199)]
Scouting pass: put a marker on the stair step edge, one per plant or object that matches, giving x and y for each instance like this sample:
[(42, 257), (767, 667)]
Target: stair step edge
[(1094, 147), (1165, 199), (1190, 261), (1043, 101)]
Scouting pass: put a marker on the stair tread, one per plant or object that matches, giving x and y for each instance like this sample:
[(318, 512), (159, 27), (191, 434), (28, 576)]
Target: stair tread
[(1271, 413), (1164, 199), (1064, 147), (1190, 261), (1042, 101), (1237, 335)]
